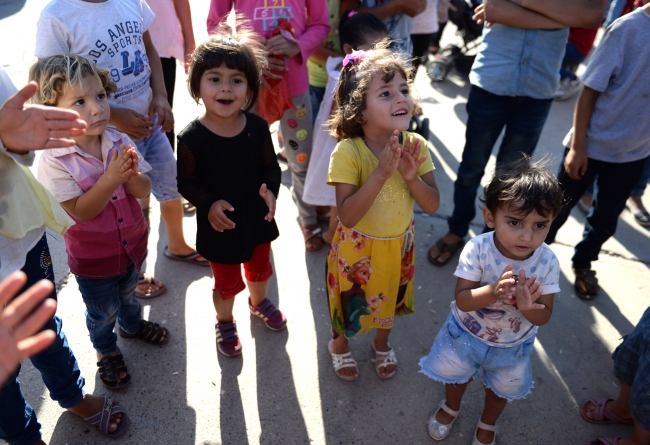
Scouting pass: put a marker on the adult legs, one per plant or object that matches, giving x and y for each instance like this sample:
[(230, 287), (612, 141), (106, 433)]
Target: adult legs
[(615, 183), (634, 202), (169, 76)]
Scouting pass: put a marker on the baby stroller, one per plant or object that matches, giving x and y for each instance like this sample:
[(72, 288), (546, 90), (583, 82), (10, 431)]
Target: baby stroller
[(453, 55)]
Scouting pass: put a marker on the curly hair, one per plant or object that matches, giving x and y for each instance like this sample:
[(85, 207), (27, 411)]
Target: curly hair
[(237, 48), (523, 186), (55, 73), (354, 82)]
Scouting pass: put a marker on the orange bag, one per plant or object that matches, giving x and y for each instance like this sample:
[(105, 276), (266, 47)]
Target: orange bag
[(272, 103)]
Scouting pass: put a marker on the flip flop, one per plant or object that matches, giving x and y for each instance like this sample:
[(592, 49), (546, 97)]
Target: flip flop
[(148, 279), (443, 248), (309, 234), (103, 418), (190, 257), (188, 207), (603, 414)]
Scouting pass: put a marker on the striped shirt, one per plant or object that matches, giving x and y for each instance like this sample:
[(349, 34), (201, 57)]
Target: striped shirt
[(103, 246)]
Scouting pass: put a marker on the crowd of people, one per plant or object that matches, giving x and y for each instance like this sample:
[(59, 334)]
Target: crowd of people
[(338, 76)]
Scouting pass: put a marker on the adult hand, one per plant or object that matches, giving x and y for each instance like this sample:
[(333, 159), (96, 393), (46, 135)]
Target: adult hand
[(576, 162), (160, 105), (35, 127), (135, 125), (269, 199), (18, 322), (278, 45), (218, 219)]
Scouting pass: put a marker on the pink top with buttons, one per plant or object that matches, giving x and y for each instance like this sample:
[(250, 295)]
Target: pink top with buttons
[(103, 246)]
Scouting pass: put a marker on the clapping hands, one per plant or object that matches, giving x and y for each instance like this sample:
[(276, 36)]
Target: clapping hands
[(403, 158), (512, 289), (123, 166)]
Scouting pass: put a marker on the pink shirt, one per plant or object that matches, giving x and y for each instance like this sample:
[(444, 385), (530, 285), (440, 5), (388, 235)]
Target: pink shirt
[(103, 246), (307, 17)]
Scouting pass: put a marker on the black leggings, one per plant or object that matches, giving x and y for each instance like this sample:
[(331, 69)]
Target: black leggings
[(169, 75)]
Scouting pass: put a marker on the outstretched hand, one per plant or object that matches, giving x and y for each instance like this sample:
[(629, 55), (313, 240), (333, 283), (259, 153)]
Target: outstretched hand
[(528, 292), (35, 127), (409, 163), (389, 157), (19, 321), (269, 199)]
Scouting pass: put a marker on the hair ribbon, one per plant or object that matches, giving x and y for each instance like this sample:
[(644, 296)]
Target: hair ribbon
[(354, 57)]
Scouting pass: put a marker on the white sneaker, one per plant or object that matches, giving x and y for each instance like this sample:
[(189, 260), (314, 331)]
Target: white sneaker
[(567, 88)]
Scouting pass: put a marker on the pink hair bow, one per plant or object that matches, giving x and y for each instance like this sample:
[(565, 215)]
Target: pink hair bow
[(352, 13), (354, 57)]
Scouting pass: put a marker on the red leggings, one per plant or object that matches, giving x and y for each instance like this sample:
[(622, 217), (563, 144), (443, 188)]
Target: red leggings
[(227, 277)]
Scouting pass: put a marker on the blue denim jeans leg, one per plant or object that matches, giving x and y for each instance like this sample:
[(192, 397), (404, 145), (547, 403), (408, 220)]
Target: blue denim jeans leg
[(107, 300), (613, 186), (488, 114), (639, 188), (57, 365), (157, 151), (572, 58), (316, 95)]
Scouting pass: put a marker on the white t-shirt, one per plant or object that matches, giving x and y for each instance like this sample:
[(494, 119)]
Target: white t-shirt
[(501, 324), (166, 32), (427, 22), (109, 34)]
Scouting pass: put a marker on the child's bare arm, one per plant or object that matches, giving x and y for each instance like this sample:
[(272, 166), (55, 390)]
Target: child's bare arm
[(91, 203), (352, 202), (574, 13), (540, 317), (575, 163), (508, 13), (470, 297), (159, 103)]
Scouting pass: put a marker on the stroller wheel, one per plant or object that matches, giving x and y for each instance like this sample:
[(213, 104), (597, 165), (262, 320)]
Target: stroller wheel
[(437, 70)]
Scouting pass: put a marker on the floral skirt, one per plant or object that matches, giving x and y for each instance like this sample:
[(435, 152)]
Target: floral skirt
[(369, 280)]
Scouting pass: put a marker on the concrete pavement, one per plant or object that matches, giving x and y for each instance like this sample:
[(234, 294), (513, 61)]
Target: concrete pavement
[(283, 389)]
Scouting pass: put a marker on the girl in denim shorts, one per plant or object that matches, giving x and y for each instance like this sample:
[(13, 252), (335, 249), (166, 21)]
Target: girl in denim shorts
[(506, 282)]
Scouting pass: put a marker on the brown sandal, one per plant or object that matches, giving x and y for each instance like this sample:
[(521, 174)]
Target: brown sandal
[(443, 248), (312, 233), (586, 283)]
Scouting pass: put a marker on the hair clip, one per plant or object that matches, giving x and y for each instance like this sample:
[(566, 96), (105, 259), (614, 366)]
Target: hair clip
[(352, 13), (354, 57)]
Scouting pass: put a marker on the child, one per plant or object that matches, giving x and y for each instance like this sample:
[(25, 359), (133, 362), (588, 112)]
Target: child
[(606, 139), (310, 22), (506, 282), (97, 182), (227, 168), (115, 36), (377, 178), (357, 32)]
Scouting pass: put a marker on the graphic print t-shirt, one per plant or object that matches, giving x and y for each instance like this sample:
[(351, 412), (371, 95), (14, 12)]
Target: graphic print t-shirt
[(501, 324), (109, 34)]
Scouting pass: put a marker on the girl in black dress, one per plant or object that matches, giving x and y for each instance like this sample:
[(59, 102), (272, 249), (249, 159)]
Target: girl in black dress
[(227, 168)]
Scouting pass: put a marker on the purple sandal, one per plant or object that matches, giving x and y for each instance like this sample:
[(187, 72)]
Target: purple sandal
[(227, 339), (270, 314), (103, 418)]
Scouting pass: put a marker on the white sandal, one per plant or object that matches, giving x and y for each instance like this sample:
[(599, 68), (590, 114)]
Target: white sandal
[(437, 430), (383, 360), (340, 361), (485, 426)]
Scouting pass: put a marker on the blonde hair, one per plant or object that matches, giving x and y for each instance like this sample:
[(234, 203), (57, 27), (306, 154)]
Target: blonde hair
[(237, 48), (54, 74), (354, 82), (361, 262)]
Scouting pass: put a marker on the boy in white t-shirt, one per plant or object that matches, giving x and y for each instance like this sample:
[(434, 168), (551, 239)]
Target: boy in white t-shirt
[(506, 282), (114, 34)]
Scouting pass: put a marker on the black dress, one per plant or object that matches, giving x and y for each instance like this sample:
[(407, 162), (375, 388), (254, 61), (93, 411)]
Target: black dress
[(212, 167)]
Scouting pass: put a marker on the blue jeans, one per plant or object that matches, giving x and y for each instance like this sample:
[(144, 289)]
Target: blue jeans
[(57, 364), (639, 188), (613, 11), (613, 186), (155, 149), (316, 94), (572, 58), (632, 367), (523, 119), (107, 300)]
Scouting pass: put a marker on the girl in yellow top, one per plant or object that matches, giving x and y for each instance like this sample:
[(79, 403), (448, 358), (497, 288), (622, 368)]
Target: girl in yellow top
[(378, 169)]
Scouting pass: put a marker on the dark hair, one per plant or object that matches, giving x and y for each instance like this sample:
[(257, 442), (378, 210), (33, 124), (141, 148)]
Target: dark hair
[(355, 29), (523, 186), (354, 82), (236, 48)]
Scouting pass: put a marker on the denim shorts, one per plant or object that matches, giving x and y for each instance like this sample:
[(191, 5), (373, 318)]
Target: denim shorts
[(158, 153), (457, 356), (632, 367)]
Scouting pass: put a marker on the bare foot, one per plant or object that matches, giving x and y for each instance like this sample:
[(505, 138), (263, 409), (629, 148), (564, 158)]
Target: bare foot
[(341, 347), (313, 241), (151, 287), (485, 436), (612, 405), (184, 251), (442, 257), (443, 417), (91, 405)]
